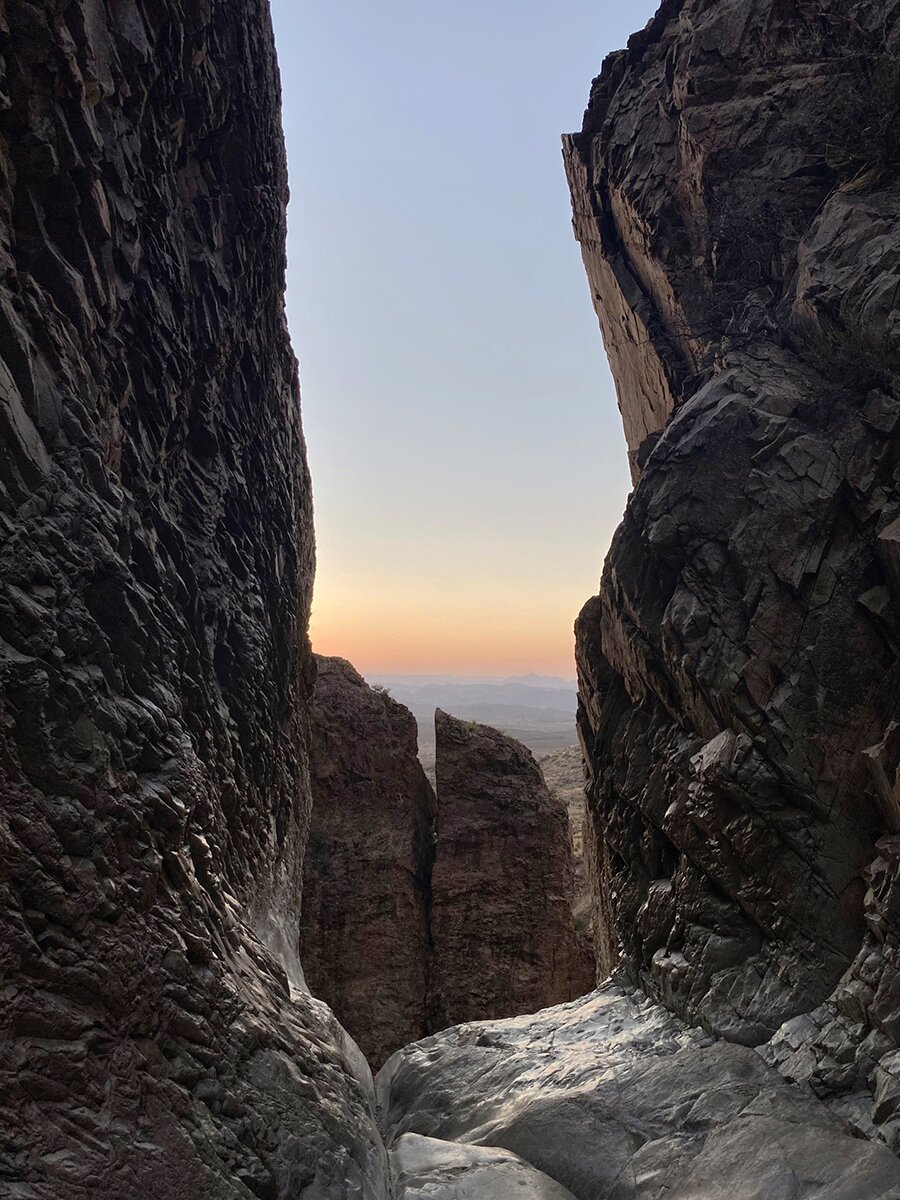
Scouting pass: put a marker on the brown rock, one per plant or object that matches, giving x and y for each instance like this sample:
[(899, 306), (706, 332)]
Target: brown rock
[(501, 919), (364, 936)]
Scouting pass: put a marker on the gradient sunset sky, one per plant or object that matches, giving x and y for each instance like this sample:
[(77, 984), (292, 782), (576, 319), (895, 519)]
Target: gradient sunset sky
[(467, 455)]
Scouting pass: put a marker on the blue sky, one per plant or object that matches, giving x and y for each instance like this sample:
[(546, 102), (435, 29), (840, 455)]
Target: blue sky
[(467, 455)]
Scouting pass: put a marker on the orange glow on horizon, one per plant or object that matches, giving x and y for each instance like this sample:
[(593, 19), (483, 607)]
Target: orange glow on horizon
[(426, 632)]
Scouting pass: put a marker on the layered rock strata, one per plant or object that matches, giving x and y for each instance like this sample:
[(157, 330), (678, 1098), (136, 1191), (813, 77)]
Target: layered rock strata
[(365, 932), (502, 927), (155, 570), (738, 670)]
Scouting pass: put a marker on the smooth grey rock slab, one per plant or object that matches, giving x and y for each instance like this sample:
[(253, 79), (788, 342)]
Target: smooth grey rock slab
[(426, 1167), (615, 1099)]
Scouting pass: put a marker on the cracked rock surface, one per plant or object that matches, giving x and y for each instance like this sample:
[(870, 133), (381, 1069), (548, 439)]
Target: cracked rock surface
[(503, 934), (423, 911), (155, 573), (738, 669)]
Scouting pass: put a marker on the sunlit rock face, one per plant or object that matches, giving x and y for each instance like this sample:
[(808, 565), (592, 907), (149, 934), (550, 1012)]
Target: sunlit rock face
[(738, 670), (502, 929), (611, 1096), (155, 571), (364, 933)]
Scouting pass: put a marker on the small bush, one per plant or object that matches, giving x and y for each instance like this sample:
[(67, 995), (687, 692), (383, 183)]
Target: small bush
[(859, 127), (854, 357)]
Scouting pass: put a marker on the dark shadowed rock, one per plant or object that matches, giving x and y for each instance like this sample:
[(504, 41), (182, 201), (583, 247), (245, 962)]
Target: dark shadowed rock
[(155, 571), (364, 935), (739, 667), (501, 917)]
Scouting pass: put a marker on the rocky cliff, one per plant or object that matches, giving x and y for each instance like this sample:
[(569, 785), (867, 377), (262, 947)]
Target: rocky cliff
[(735, 189), (365, 936), (155, 573), (502, 926)]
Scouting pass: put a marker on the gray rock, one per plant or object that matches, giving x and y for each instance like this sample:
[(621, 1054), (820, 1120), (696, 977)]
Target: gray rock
[(613, 1097), (502, 927), (426, 1167), (364, 929), (739, 667), (156, 559)]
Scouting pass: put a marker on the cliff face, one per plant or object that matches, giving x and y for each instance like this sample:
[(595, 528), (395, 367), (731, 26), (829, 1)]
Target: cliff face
[(364, 933), (155, 570), (501, 915), (423, 911), (735, 195)]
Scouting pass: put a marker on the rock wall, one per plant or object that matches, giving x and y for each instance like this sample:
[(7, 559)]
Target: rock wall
[(422, 911), (155, 570), (502, 927), (365, 926), (735, 189)]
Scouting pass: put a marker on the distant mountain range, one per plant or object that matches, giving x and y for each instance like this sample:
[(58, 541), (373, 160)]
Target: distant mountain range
[(539, 710), (531, 680)]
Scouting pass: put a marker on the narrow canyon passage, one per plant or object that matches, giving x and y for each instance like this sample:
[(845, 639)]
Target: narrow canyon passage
[(174, 761)]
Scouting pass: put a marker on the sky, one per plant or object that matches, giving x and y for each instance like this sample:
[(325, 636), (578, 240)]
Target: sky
[(467, 456)]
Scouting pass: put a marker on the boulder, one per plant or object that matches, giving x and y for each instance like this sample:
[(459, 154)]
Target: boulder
[(612, 1096)]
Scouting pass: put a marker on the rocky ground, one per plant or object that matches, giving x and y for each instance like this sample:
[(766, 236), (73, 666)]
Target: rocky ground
[(613, 1097)]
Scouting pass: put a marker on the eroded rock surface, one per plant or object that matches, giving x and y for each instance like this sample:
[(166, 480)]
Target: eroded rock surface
[(502, 927), (611, 1097), (364, 934), (427, 1167), (738, 670), (155, 574)]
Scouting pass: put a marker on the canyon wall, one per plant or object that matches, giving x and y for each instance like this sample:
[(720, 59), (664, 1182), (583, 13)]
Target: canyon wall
[(421, 911), (502, 925), (156, 560), (365, 936), (735, 190)]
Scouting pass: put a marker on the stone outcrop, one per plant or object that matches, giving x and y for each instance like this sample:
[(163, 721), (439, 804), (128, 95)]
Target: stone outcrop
[(364, 932), (613, 1097), (422, 911), (428, 1167), (502, 927), (738, 670), (155, 571)]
